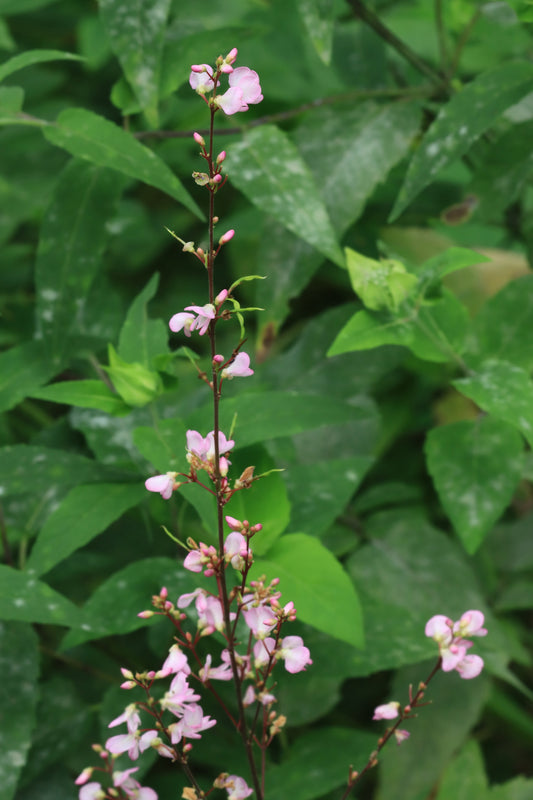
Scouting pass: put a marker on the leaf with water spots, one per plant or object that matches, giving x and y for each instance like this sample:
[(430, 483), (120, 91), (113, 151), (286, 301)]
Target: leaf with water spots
[(476, 467), (19, 691), (503, 390), (136, 32), (318, 18), (22, 370), (25, 599), (84, 394), (94, 138), (460, 122), (268, 169)]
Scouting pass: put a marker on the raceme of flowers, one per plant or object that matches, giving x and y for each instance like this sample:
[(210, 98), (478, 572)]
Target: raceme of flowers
[(453, 647), (244, 87)]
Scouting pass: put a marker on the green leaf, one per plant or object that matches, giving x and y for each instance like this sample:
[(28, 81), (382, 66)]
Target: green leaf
[(502, 329), (137, 34), (314, 580), (20, 6), (381, 285), (83, 514), (163, 446), (136, 384), (519, 788), (322, 754), (25, 599), (71, 244), (142, 339), (19, 667), (260, 417), (93, 138), (22, 370), (85, 394), (465, 776), (351, 149), (503, 390), (318, 18), (476, 467), (452, 259), (268, 169), (11, 100), (112, 609), (33, 57), (434, 331), (461, 121)]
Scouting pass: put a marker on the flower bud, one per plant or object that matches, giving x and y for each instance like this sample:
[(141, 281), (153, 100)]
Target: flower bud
[(199, 139), (221, 296), (221, 157), (227, 237)]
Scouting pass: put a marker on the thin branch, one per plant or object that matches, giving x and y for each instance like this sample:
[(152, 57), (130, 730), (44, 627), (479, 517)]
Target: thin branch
[(465, 36), (373, 21), (441, 34)]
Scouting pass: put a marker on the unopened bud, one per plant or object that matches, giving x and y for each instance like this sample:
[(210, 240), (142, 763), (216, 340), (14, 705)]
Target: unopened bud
[(128, 685), (164, 592), (127, 673), (197, 68), (145, 614), (199, 139), (218, 359), (221, 296), (216, 178), (221, 157), (227, 237)]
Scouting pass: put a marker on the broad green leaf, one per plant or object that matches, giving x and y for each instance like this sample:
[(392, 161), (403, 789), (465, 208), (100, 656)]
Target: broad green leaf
[(85, 394), (476, 467), (317, 762), (503, 390), (137, 33), (268, 169), (22, 370), (350, 150), (135, 383), (20, 6), (319, 492), (314, 580), (407, 572), (113, 607), (465, 777), (433, 331), (265, 501), (11, 100), (71, 244), (19, 666), (502, 329), (26, 469), (260, 417), (33, 57), (25, 599), (142, 339), (457, 705), (318, 18), (461, 121), (450, 260), (83, 514), (164, 446), (94, 138), (381, 285)]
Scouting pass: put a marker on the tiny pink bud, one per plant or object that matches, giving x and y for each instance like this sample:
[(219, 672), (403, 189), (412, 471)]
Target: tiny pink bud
[(127, 673), (84, 776), (221, 296), (128, 685), (227, 237), (221, 157), (216, 178), (150, 675), (232, 55), (234, 524), (145, 614), (164, 592), (197, 68), (218, 359), (199, 139)]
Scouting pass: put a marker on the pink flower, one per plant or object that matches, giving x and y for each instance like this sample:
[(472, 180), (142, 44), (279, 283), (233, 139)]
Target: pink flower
[(221, 673), (132, 743), (263, 650), (191, 724), (440, 629), (470, 667), (236, 550), (260, 619), (204, 316), (92, 791), (470, 624), (201, 78), (131, 787), (295, 655), (401, 735), (239, 367), (130, 716), (175, 662), (387, 711), (236, 787), (164, 484), (244, 89), (180, 321)]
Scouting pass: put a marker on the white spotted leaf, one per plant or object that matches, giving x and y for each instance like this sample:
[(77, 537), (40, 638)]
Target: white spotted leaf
[(461, 121), (475, 466)]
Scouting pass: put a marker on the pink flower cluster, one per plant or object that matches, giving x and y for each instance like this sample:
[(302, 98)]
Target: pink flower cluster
[(244, 87), (121, 780), (453, 646)]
